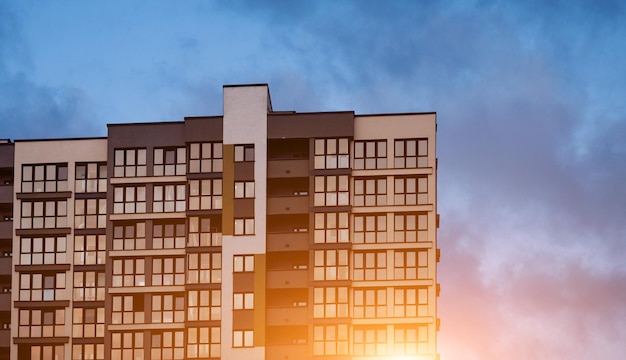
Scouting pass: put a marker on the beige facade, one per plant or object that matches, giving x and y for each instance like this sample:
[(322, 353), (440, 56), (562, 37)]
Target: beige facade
[(257, 234)]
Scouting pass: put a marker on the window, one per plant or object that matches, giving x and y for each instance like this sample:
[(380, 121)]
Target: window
[(203, 342), (244, 189), (204, 305), (244, 226), (411, 153), (129, 200), (330, 302), (129, 272), (42, 287), (204, 231), (411, 190), (128, 309), (90, 213), (243, 338), (89, 249), (332, 154), (204, 268), (169, 198), (243, 301), (410, 264), (87, 352), (370, 340), (46, 352), (48, 214), (370, 229), (410, 302), (88, 322), (330, 339), (38, 250), (331, 190), (36, 323), (129, 236), (370, 192), (244, 153), (370, 265), (205, 157), (170, 161), (130, 163), (168, 308), (127, 345), (205, 194), (44, 178), (411, 227), (370, 303), (331, 265), (243, 263), (168, 271), (331, 228), (370, 154), (91, 177), (89, 286), (167, 345), (168, 236), (410, 339)]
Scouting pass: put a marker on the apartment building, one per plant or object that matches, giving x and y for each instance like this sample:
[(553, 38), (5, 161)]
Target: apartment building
[(258, 234)]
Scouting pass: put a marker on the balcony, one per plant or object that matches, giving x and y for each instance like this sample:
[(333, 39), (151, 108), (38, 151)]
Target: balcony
[(288, 205), (288, 242), (6, 194), (5, 301), (5, 337), (5, 265), (287, 279), (286, 316), (6, 229), (287, 168), (289, 352)]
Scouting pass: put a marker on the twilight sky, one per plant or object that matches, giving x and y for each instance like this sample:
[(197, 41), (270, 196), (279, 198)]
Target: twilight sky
[(530, 97)]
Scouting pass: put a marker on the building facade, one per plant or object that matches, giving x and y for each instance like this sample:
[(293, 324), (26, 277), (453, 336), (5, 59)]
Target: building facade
[(257, 234)]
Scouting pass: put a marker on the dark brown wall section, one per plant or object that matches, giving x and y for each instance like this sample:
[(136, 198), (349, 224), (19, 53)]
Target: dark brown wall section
[(310, 125), (146, 135), (202, 129)]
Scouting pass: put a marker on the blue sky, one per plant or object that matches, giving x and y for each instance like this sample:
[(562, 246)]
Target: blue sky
[(531, 113)]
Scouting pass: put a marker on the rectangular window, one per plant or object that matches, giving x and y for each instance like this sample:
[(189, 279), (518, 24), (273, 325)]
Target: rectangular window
[(332, 153), (243, 263), (37, 323), (244, 226), (86, 352), (91, 177), (168, 308), (370, 154), (46, 352), (129, 163), (89, 249), (243, 338), (88, 322), (330, 302), (129, 272), (127, 345), (89, 286), (203, 342), (38, 250), (168, 271), (205, 157), (129, 199), (168, 235), (332, 190), (90, 213), (204, 268), (410, 339), (411, 227), (410, 264), (244, 153), (204, 305), (205, 194), (370, 265), (331, 265), (42, 287), (330, 339), (370, 303), (411, 190), (169, 198), (370, 192), (370, 228), (243, 301), (44, 178), (128, 309), (411, 153), (331, 228), (410, 302), (170, 161), (204, 231), (48, 214), (369, 340), (244, 189), (167, 345), (129, 236)]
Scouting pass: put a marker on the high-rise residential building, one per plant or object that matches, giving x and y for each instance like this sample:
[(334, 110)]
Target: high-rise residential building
[(258, 234)]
